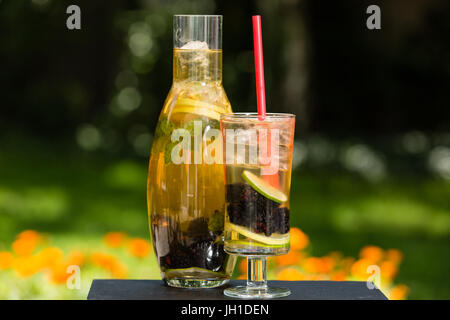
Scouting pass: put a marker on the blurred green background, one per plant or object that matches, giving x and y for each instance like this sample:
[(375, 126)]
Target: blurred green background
[(372, 152)]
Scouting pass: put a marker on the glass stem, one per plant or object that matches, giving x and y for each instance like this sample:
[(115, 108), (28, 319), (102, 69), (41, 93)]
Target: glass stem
[(256, 272)]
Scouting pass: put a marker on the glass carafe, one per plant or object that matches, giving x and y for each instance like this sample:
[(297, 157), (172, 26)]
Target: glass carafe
[(185, 190)]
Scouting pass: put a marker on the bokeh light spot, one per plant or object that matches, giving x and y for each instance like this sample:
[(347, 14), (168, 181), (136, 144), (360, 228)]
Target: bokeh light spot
[(88, 137), (439, 161), (128, 99)]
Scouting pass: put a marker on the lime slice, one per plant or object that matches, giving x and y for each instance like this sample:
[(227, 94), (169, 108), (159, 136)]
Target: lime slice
[(263, 187), (198, 111), (274, 239)]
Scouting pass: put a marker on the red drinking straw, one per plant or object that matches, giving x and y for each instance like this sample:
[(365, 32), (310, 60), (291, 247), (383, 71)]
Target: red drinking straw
[(259, 67)]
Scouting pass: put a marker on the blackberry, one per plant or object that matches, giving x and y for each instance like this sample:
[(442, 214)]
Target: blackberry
[(194, 247), (178, 257), (208, 255), (281, 219), (201, 254), (198, 227), (248, 208), (198, 251)]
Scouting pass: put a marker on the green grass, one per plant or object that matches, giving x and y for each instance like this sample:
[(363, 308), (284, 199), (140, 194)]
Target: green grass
[(77, 197), (343, 212)]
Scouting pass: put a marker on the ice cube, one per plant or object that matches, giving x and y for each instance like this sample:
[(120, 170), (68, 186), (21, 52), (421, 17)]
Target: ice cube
[(195, 45)]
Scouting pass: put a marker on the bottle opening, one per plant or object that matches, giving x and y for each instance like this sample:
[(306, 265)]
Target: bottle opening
[(197, 32)]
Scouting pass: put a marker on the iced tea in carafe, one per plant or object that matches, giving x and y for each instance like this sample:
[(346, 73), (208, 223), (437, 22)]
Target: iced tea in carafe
[(185, 191)]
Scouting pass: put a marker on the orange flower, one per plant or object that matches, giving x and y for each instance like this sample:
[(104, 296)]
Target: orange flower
[(338, 276), (371, 253), (6, 260), (58, 273), (139, 247), (388, 269), (394, 255), (110, 263), (299, 240), (312, 265), (76, 258), (119, 270), (30, 235), (24, 247), (104, 260), (399, 292), (359, 269), (290, 274), (327, 264), (292, 258), (318, 265), (114, 239), (50, 256), (316, 276), (26, 266)]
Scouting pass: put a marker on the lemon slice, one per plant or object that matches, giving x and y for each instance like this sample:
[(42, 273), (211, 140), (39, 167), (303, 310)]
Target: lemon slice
[(274, 239), (263, 187), (246, 243), (198, 107), (201, 112), (199, 104)]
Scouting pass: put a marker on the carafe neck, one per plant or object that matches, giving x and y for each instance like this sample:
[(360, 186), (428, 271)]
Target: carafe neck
[(202, 65), (197, 42)]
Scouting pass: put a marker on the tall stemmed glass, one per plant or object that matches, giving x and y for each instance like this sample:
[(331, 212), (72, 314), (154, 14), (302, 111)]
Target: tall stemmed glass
[(258, 162)]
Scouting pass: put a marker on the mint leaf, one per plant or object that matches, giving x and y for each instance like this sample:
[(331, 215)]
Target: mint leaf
[(164, 128)]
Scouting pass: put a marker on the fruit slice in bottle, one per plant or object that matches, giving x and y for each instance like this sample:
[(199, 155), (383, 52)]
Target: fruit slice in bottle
[(201, 112), (263, 187), (249, 243), (274, 239), (200, 108), (198, 104)]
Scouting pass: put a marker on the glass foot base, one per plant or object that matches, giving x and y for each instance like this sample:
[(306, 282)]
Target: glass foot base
[(244, 292), (195, 283)]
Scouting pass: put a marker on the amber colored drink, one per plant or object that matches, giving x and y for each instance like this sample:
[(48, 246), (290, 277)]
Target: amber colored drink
[(186, 201)]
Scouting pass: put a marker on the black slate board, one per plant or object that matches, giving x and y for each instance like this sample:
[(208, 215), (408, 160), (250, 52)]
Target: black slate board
[(301, 290)]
